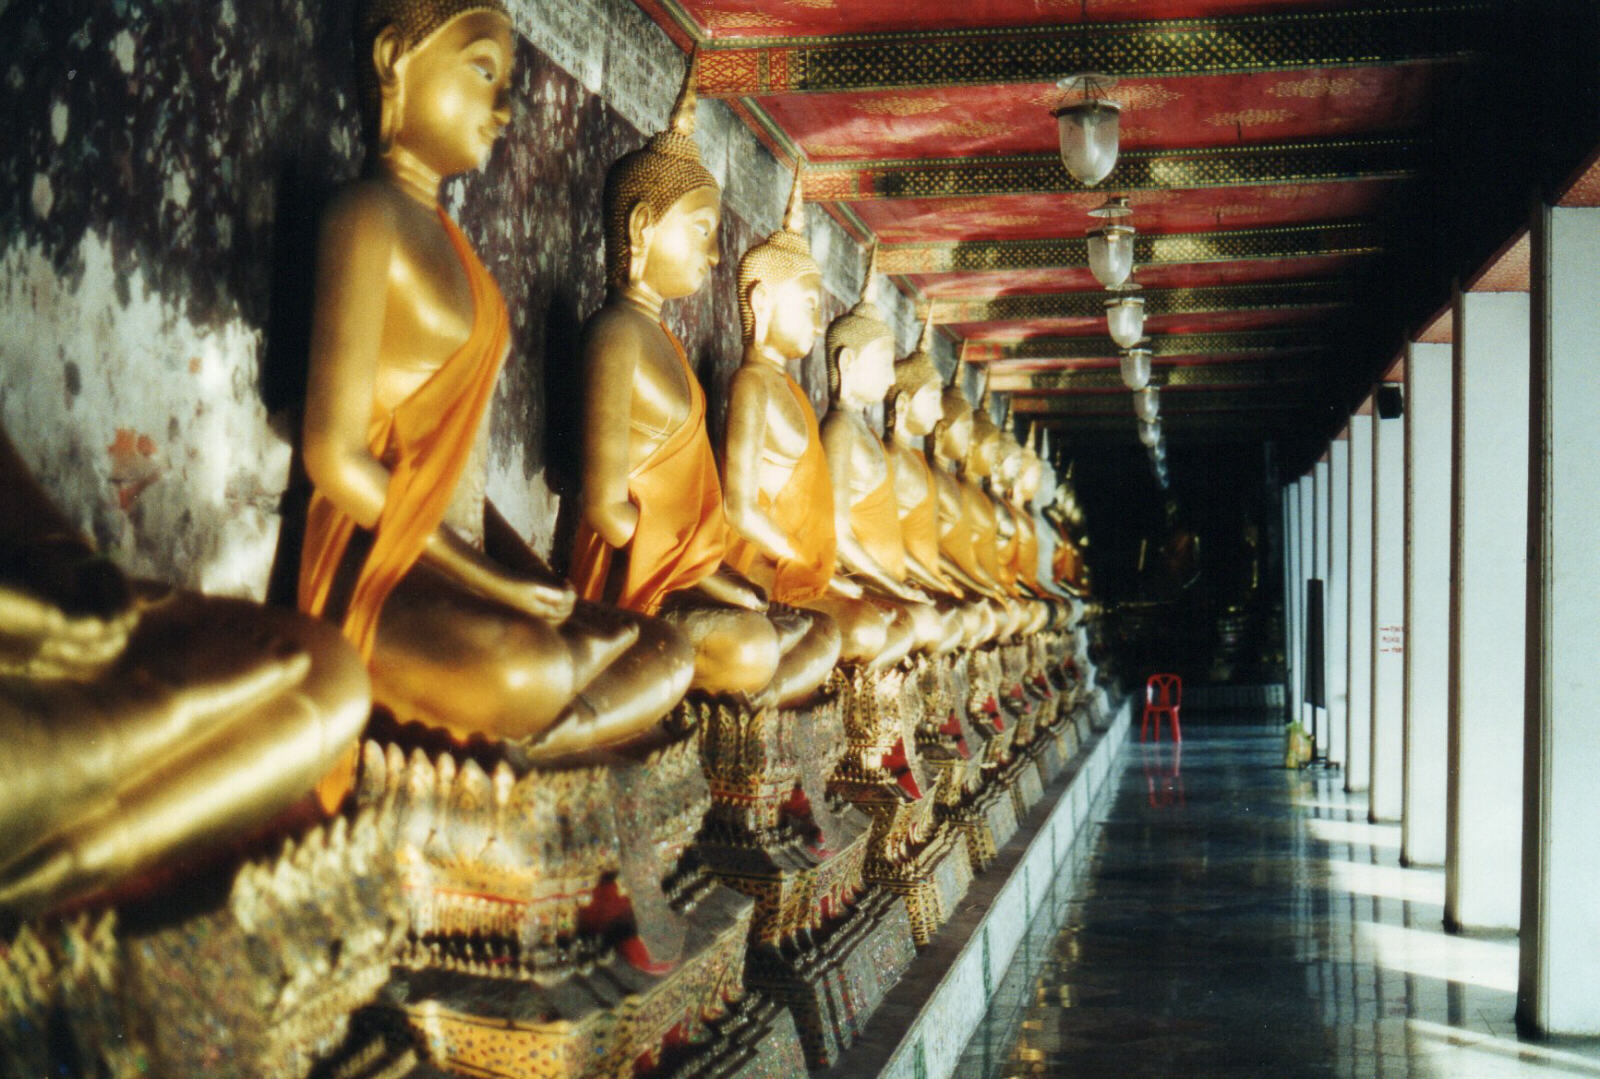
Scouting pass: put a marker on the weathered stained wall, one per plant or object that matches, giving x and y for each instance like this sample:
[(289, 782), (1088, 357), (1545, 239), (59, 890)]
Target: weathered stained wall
[(163, 167)]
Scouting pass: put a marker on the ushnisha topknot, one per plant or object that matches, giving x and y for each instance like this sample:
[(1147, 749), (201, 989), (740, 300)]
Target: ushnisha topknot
[(954, 399), (858, 327), (783, 256), (417, 21), (983, 425), (657, 175)]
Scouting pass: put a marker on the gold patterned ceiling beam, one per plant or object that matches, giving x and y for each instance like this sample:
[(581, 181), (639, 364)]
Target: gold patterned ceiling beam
[(981, 256), (1253, 165), (1162, 347), (1171, 301), (1174, 406), (1287, 41), (1100, 382)]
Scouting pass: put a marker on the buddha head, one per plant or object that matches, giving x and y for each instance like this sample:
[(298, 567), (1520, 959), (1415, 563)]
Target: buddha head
[(434, 78), (662, 209), (984, 452), (915, 403), (952, 435), (860, 351), (1032, 473), (780, 286), (1008, 454)]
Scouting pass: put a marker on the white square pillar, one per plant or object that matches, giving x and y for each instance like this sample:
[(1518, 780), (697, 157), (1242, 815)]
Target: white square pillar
[(1488, 593), (1560, 936), (1305, 559), (1320, 504), (1338, 591), (1385, 796), (1428, 414), (1358, 612), (1294, 664)]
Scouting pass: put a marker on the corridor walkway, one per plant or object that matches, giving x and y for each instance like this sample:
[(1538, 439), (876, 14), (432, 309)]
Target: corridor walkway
[(1233, 919)]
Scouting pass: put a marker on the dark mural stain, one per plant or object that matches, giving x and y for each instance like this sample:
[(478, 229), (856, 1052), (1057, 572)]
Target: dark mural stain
[(203, 138)]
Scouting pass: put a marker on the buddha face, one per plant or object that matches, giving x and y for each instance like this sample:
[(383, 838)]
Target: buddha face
[(1028, 481), (451, 93), (981, 456), (924, 410), (866, 373), (675, 254), (792, 309), (954, 436)]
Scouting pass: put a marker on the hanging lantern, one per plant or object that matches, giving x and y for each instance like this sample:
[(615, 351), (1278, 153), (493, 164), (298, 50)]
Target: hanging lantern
[(1147, 404), (1135, 365), (1111, 244), (1125, 317), (1150, 433), (1090, 128)]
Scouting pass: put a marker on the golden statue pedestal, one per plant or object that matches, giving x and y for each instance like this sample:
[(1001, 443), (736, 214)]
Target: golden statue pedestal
[(821, 941), (986, 817), (260, 984), (911, 853), (559, 928)]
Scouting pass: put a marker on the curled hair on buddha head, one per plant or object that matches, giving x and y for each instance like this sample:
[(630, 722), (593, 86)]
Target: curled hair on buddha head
[(416, 21), (911, 373), (983, 425), (656, 175), (954, 401), (856, 328), (782, 257)]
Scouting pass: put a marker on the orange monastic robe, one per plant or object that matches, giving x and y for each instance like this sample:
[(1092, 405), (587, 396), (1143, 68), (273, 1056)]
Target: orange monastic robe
[(681, 535), (875, 520), (425, 442), (803, 511), (1027, 561), (985, 545), (920, 526), (957, 544)]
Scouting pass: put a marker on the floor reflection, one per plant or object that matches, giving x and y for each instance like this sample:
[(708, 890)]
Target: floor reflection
[(1230, 918)]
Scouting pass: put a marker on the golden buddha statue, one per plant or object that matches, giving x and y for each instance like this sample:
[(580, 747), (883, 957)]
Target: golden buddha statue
[(988, 539), (949, 447), (142, 725), (912, 409), (654, 532), (408, 337), (871, 547), (780, 492)]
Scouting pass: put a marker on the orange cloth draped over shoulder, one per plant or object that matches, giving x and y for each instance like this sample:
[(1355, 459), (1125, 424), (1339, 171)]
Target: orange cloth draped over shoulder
[(875, 520), (985, 544), (1027, 562), (919, 528), (803, 511), (1005, 555), (681, 535), (426, 442), (957, 543)]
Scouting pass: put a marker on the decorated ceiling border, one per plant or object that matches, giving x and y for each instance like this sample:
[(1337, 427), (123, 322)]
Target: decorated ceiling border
[(1164, 347), (1170, 301), (742, 67)]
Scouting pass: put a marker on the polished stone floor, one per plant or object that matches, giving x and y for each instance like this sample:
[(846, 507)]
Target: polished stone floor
[(1229, 918)]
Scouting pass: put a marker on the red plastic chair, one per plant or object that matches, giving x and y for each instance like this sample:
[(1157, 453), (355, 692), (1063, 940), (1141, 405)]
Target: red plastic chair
[(1162, 695)]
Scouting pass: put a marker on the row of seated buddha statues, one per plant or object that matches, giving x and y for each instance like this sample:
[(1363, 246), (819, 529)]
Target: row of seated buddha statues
[(689, 810)]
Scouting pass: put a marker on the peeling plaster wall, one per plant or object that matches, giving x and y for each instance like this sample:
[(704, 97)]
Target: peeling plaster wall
[(164, 165)]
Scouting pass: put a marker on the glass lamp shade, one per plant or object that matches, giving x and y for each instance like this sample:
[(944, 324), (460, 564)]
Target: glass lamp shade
[(1149, 433), (1135, 365), (1125, 320), (1147, 404), (1111, 254), (1090, 133)]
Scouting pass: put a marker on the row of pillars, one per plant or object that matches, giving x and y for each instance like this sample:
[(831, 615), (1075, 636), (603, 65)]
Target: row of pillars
[(1446, 551)]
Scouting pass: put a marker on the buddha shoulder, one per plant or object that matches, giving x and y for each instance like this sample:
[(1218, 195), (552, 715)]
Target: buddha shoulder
[(365, 211)]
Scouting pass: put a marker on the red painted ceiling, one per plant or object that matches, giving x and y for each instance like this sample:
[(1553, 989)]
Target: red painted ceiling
[(1265, 142)]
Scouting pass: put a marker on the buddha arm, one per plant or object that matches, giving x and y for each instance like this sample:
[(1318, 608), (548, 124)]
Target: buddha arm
[(927, 577), (838, 442), (357, 249), (610, 361), (748, 402)]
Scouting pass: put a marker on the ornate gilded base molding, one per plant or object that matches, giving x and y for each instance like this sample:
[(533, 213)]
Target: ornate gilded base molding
[(261, 986), (834, 980)]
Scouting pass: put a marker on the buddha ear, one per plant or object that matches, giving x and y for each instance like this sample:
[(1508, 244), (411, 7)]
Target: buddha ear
[(760, 308), (641, 226), (388, 53)]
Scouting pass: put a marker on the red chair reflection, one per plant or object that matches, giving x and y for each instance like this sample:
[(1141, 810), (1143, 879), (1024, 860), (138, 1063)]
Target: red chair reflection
[(1162, 695)]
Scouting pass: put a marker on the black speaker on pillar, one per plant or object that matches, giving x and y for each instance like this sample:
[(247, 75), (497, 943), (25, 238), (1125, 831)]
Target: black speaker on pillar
[(1390, 402)]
